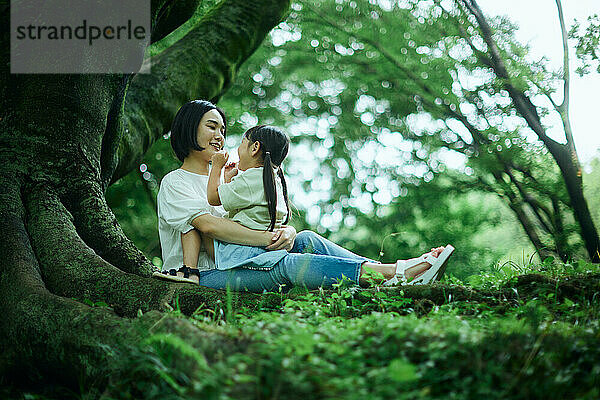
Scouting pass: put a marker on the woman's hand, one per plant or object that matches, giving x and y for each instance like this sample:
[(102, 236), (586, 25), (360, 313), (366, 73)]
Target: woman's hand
[(283, 239)]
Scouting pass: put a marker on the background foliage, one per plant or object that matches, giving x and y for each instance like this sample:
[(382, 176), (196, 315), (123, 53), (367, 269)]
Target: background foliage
[(377, 98)]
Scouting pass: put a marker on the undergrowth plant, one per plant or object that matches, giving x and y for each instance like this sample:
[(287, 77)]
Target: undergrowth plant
[(380, 343)]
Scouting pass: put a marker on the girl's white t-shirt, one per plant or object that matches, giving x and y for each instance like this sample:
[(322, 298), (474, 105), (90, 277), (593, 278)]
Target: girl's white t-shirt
[(181, 198)]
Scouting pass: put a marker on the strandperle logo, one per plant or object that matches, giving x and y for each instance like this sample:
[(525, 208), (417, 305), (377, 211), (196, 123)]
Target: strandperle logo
[(79, 36), (81, 32)]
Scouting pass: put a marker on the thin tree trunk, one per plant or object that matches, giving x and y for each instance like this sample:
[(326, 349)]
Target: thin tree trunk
[(564, 155), (516, 206)]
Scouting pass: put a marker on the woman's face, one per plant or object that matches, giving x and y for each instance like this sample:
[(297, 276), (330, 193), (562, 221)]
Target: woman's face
[(210, 134)]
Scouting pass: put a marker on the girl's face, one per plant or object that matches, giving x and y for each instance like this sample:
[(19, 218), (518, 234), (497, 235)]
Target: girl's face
[(210, 134), (249, 154)]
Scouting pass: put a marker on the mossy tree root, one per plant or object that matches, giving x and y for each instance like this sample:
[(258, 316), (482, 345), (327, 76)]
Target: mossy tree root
[(99, 229), (442, 294), (65, 258), (521, 288), (38, 327), (60, 339), (578, 286)]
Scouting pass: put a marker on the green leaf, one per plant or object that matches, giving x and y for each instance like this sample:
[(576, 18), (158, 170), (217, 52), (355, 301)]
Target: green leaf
[(401, 370)]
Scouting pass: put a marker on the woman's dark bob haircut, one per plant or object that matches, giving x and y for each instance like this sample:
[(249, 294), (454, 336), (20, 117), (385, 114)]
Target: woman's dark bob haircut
[(184, 130)]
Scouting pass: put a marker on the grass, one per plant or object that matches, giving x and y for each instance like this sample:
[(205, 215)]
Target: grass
[(355, 344)]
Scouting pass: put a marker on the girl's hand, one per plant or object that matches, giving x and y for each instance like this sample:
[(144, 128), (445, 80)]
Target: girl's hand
[(283, 239), (230, 171), (219, 159)]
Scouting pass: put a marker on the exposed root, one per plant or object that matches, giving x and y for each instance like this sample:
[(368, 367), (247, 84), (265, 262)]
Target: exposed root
[(441, 294), (532, 285), (190, 298), (52, 338), (71, 269), (37, 326), (523, 287), (99, 229)]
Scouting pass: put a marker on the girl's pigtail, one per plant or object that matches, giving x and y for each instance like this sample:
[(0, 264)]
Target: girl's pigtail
[(285, 193), (270, 189)]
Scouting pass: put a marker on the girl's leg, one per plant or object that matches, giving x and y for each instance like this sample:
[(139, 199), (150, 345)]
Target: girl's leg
[(209, 246), (190, 244)]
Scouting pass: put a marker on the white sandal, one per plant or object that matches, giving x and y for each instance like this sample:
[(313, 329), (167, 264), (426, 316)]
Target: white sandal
[(435, 272)]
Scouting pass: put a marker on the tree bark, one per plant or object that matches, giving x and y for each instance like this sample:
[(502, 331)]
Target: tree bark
[(564, 154), (62, 137)]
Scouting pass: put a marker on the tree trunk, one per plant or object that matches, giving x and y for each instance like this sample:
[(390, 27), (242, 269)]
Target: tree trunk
[(516, 205), (571, 172), (564, 154), (62, 138)]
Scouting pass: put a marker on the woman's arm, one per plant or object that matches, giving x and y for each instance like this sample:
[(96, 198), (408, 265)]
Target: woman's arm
[(232, 232)]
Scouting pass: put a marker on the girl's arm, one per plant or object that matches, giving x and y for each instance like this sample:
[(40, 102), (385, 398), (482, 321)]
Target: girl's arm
[(214, 178)]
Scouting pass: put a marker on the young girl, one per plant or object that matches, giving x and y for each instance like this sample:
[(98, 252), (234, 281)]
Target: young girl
[(255, 195)]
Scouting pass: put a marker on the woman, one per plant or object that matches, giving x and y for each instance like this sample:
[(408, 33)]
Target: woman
[(197, 133)]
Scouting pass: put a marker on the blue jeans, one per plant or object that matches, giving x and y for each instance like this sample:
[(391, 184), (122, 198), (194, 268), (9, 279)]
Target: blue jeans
[(313, 262)]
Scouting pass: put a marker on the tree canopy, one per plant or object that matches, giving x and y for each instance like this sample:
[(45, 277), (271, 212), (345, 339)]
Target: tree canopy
[(400, 112), (424, 83)]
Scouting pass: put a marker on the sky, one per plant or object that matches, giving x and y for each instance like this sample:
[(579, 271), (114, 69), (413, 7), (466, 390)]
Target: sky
[(539, 26)]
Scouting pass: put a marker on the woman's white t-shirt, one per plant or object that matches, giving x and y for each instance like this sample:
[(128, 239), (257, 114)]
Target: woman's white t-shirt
[(181, 198)]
